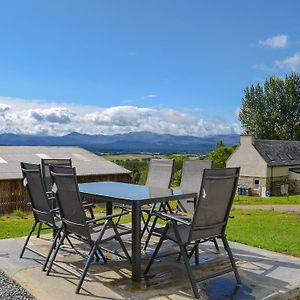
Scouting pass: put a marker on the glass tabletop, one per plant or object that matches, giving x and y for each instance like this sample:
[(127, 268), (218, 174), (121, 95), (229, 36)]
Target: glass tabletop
[(130, 192)]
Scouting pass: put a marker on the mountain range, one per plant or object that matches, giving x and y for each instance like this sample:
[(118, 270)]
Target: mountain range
[(127, 142)]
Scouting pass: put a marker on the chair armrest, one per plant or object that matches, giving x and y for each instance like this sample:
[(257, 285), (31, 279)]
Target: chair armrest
[(165, 216), (86, 205), (54, 210), (106, 217)]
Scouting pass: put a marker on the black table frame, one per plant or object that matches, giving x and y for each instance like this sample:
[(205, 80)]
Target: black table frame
[(135, 219)]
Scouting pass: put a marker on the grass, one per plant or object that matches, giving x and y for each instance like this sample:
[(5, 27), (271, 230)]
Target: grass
[(127, 156), (253, 200), (15, 225), (279, 232)]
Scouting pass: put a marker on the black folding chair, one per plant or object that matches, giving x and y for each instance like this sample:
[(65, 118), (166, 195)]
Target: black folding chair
[(75, 222), (59, 162), (159, 175), (209, 221), (191, 178), (40, 205)]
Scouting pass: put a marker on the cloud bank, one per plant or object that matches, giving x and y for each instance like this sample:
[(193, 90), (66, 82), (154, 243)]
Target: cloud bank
[(277, 41), (22, 116)]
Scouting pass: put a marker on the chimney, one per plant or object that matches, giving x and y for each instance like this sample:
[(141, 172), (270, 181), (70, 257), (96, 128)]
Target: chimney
[(247, 139)]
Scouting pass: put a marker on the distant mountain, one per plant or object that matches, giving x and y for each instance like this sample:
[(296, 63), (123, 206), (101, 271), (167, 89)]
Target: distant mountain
[(127, 142)]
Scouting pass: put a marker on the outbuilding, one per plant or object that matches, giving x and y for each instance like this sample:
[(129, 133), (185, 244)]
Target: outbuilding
[(89, 168)]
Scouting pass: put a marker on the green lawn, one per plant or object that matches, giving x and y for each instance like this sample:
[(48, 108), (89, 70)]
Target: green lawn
[(253, 200), (14, 226), (270, 230)]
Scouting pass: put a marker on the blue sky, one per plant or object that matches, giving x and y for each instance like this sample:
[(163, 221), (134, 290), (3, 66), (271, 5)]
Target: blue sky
[(168, 66)]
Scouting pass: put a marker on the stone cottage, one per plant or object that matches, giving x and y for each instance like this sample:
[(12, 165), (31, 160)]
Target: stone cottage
[(270, 167)]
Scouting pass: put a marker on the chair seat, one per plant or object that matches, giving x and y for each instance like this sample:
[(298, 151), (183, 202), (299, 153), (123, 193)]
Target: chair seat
[(183, 230), (108, 234)]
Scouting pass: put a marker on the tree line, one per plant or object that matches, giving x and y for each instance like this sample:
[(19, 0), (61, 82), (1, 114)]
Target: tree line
[(272, 110), (139, 167)]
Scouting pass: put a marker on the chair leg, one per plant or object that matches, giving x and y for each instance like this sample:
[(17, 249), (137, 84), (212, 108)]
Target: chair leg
[(69, 241), (91, 212), (101, 254), (51, 250), (197, 254), (119, 218), (39, 230), (227, 248), (216, 244), (156, 249), (146, 222), (150, 234), (120, 241), (186, 261), (56, 251), (28, 237), (86, 267)]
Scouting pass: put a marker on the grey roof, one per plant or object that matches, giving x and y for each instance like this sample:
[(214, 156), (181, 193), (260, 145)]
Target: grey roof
[(295, 170), (86, 162), (279, 153)]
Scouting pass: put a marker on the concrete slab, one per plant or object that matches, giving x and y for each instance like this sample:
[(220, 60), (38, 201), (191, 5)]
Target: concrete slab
[(264, 274)]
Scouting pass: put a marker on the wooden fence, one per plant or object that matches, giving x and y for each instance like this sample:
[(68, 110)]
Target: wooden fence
[(13, 195)]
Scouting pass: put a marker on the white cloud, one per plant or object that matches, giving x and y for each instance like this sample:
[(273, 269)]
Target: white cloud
[(4, 108), (40, 117), (277, 41), (52, 115), (290, 63), (149, 96)]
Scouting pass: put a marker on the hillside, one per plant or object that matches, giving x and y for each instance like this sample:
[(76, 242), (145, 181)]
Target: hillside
[(127, 142)]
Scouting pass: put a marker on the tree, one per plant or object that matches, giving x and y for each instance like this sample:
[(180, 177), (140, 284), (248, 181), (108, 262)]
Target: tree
[(272, 111), (220, 155)]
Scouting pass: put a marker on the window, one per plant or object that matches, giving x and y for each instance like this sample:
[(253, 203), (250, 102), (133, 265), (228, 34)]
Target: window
[(256, 184), (270, 156)]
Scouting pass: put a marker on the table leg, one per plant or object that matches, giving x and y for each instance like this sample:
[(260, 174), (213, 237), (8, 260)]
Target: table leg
[(136, 241), (109, 209)]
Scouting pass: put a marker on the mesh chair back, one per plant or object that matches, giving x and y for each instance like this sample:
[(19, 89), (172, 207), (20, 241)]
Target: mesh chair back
[(214, 203), (69, 201), (36, 190), (191, 178), (46, 162), (160, 173)]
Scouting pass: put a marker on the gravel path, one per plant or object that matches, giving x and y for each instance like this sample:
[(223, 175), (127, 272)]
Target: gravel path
[(11, 290), (291, 208)]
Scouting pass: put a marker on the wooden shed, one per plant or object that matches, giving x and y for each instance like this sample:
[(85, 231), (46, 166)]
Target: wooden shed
[(89, 166)]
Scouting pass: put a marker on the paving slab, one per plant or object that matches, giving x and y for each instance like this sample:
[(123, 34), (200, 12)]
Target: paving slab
[(264, 274)]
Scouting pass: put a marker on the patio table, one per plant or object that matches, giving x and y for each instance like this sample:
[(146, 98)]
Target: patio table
[(136, 196)]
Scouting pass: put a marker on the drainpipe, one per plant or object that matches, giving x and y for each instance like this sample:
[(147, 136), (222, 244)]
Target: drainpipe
[(271, 190)]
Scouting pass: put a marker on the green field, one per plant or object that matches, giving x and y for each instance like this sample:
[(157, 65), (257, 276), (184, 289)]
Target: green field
[(270, 230), (252, 200), (127, 156), (279, 232)]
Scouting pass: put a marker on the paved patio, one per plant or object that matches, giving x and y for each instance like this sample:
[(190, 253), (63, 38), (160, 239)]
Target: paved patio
[(265, 274)]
